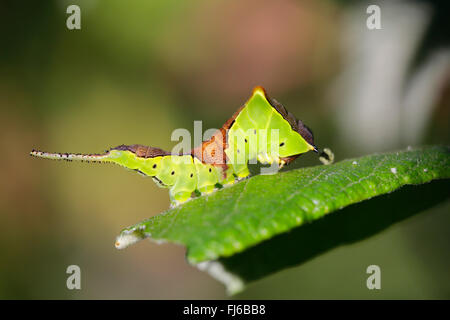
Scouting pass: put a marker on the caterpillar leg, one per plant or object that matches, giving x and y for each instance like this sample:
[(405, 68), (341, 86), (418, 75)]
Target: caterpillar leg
[(179, 198), (228, 181), (207, 189), (238, 172), (243, 173)]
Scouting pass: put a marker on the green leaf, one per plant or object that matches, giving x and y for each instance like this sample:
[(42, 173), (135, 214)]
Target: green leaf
[(227, 233)]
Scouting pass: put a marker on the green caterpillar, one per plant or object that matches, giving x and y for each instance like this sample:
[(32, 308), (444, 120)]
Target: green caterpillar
[(262, 129)]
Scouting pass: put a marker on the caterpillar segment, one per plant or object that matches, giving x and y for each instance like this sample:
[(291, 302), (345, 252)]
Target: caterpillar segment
[(261, 130)]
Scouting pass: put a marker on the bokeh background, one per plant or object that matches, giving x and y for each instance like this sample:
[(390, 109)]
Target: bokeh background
[(137, 70)]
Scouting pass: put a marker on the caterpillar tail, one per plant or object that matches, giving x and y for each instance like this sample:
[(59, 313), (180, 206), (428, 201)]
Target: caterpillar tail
[(106, 157)]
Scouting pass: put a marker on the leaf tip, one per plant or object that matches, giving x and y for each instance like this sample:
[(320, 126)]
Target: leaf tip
[(126, 239)]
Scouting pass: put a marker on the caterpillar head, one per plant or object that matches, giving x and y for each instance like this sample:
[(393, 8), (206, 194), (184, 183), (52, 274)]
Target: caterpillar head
[(306, 133), (296, 125)]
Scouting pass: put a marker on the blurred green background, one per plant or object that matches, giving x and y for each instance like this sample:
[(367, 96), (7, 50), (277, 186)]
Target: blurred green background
[(137, 70)]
